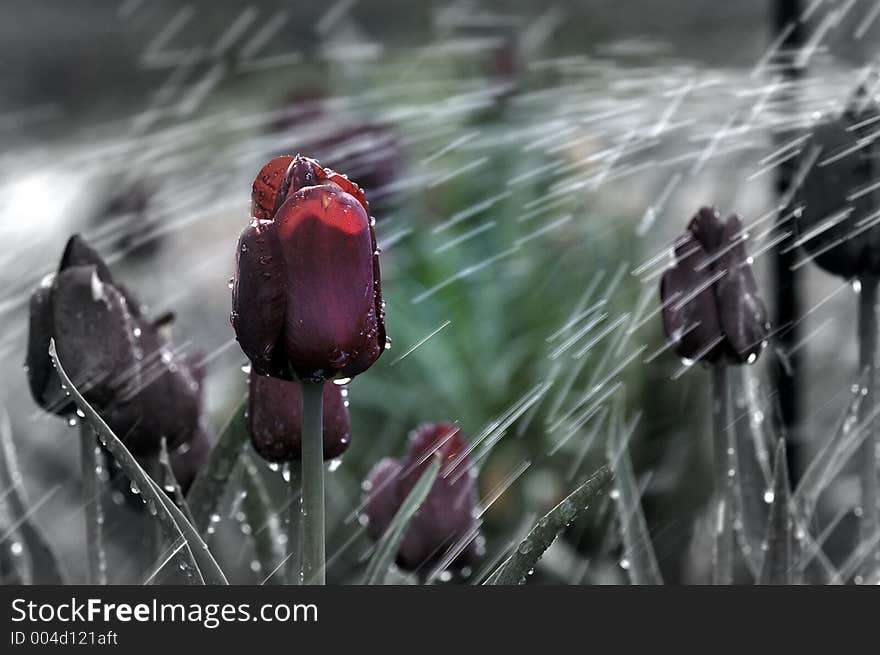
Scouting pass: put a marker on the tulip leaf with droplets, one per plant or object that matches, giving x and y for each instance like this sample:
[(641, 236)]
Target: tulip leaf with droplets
[(523, 560), (209, 486), (388, 545), (41, 562), (174, 524), (777, 566)]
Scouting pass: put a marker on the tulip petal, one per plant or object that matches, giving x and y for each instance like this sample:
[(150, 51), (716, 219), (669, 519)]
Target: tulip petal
[(382, 499), (706, 227), (448, 512), (43, 380), (690, 316), (79, 253), (258, 297), (275, 419), (94, 334), (264, 196), (166, 402), (332, 324), (741, 311), (836, 241)]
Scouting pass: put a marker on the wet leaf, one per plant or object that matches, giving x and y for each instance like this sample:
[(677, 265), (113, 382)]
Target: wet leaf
[(210, 485), (522, 561), (833, 455), (638, 549), (778, 563), (266, 529), (174, 524)]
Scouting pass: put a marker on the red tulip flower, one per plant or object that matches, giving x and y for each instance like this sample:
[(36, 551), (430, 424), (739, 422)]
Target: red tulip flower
[(307, 299), (448, 513), (275, 419)]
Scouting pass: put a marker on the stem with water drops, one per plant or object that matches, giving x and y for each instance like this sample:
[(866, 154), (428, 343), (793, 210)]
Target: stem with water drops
[(722, 554), (294, 525), (94, 509), (869, 521), (312, 483)]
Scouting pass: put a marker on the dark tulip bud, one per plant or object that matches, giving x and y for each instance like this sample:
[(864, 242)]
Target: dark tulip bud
[(449, 511), (307, 300), (275, 419), (381, 502), (117, 359), (837, 224), (712, 311)]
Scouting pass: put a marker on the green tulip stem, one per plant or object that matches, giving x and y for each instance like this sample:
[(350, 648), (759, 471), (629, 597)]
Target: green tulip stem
[(869, 521), (313, 482), (93, 508), (722, 528)]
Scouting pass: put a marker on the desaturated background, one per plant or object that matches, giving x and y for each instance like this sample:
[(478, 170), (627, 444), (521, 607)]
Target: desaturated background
[(518, 152)]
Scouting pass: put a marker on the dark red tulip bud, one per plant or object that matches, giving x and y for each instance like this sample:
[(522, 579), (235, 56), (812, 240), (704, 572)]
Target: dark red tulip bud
[(274, 419), (116, 357), (307, 300), (381, 503), (711, 308), (837, 224), (448, 513)]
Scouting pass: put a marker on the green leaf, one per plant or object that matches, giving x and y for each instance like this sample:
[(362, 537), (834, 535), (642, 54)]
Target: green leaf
[(778, 561), (210, 485), (523, 560), (386, 549), (174, 524), (44, 564)]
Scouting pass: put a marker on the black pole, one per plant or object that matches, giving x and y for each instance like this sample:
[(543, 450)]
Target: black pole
[(786, 282)]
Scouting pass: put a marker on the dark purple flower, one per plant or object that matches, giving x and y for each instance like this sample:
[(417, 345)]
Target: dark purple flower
[(837, 224), (307, 298), (117, 357), (448, 513), (274, 419), (712, 311)]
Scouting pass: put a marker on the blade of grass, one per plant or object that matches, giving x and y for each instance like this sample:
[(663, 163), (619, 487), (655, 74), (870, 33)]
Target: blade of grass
[(172, 520), (386, 548), (265, 527), (833, 455), (209, 486), (638, 549), (516, 569), (45, 568), (778, 563)]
